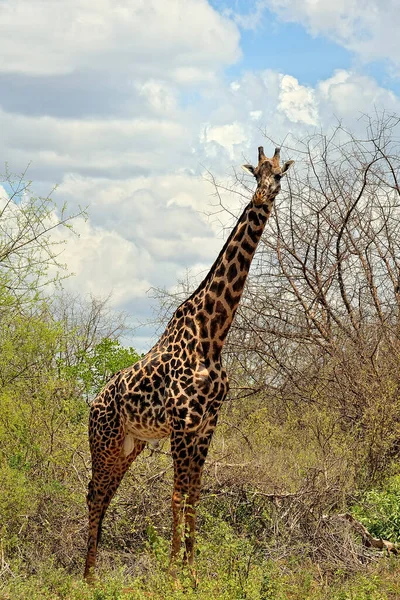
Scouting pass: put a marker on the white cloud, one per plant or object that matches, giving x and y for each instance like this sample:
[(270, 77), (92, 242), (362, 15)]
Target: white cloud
[(91, 146), (44, 37), (192, 75), (160, 95), (103, 261), (124, 104), (148, 230), (227, 136), (250, 19), (348, 94), (140, 231), (297, 101), (255, 115), (367, 27), (4, 196)]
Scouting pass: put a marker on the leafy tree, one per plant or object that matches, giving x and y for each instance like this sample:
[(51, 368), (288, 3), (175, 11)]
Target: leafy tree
[(94, 367), (54, 350)]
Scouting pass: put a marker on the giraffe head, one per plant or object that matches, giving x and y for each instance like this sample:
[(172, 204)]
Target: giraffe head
[(268, 174)]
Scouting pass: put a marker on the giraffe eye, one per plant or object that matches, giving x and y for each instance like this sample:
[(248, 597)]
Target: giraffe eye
[(277, 177)]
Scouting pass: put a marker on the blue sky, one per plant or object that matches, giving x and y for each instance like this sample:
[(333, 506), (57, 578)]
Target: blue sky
[(289, 48), (125, 105)]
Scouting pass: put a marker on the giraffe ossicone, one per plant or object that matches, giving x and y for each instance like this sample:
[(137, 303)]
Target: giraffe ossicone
[(177, 388)]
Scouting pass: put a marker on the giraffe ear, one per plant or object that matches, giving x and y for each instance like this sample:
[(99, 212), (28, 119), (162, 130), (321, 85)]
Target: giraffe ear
[(249, 169), (286, 166)]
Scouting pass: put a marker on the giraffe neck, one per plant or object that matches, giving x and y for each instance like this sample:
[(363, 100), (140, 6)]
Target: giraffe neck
[(208, 313), (219, 294)]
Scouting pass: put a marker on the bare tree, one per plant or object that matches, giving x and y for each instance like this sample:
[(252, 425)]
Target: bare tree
[(320, 320), (27, 249), (87, 321)]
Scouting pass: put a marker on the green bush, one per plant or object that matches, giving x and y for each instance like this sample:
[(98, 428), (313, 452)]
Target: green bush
[(379, 510)]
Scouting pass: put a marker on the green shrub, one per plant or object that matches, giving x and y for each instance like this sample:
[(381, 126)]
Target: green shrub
[(379, 510)]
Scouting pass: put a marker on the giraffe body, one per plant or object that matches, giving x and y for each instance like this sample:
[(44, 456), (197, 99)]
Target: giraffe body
[(177, 389)]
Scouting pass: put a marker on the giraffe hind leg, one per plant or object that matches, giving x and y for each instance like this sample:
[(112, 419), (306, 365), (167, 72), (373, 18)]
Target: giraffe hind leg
[(105, 481)]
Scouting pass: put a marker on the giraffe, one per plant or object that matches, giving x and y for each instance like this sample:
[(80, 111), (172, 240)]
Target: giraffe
[(178, 387)]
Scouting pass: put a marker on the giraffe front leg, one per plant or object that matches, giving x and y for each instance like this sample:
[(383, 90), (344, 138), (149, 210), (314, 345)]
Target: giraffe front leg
[(190, 519), (182, 445), (179, 499), (196, 468)]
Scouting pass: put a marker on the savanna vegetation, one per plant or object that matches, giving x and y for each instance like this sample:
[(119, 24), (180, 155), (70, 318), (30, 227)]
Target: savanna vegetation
[(310, 436)]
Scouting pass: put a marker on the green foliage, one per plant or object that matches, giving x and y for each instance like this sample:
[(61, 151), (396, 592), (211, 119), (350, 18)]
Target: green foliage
[(18, 498), (43, 414), (379, 510), (248, 547), (94, 367), (264, 582)]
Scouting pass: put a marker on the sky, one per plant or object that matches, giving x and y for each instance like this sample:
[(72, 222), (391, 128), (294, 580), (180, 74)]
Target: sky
[(128, 104)]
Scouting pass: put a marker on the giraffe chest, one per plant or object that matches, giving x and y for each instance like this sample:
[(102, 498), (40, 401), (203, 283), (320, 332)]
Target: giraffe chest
[(163, 391), (194, 397)]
